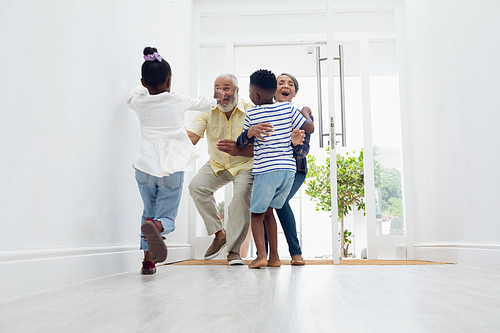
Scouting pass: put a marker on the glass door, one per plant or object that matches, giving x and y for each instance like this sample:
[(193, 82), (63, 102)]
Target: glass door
[(314, 227), (286, 42), (372, 126), (389, 238)]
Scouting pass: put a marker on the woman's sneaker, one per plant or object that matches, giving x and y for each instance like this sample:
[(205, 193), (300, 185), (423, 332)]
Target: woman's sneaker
[(148, 267)]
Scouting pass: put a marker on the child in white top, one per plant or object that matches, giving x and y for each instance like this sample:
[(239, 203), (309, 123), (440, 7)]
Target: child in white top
[(165, 152)]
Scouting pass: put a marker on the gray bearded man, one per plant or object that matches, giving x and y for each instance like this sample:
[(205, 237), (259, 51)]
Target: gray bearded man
[(224, 122)]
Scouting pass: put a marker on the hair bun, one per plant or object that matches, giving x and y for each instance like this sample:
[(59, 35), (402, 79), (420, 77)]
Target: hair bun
[(149, 50)]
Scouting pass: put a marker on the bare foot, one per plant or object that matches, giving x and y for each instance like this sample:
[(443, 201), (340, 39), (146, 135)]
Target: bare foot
[(274, 261), (258, 263)]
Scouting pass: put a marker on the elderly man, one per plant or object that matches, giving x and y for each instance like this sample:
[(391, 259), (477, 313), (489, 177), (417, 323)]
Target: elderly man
[(223, 122)]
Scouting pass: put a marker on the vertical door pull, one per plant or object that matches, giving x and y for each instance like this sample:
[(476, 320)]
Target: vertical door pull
[(332, 134)]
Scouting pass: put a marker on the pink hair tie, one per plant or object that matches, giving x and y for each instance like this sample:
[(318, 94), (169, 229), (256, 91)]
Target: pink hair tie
[(153, 57)]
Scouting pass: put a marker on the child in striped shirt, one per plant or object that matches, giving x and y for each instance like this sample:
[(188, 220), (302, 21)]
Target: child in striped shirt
[(274, 166)]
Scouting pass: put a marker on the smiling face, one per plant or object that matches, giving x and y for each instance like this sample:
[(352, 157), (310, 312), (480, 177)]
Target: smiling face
[(230, 99), (286, 89)]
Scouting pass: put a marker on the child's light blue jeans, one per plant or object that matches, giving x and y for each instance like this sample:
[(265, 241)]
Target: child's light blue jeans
[(271, 189), (161, 197)]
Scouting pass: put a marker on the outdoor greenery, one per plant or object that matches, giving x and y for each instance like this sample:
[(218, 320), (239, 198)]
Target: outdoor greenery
[(347, 242), (390, 191), (350, 186), (388, 184), (350, 183)]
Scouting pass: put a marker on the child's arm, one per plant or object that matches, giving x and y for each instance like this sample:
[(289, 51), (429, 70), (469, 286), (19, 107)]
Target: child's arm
[(259, 130), (309, 124), (202, 103), (199, 104), (243, 140), (247, 136), (135, 92), (302, 149)]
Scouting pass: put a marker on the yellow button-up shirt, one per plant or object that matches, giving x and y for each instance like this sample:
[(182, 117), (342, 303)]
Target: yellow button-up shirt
[(218, 127)]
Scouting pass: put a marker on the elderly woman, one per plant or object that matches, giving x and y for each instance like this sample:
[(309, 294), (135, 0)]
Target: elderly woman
[(288, 87)]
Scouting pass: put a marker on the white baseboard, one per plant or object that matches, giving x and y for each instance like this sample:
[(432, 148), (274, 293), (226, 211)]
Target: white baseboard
[(479, 255), (31, 271)]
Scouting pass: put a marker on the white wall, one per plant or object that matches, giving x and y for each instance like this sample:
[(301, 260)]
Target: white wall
[(451, 117), (69, 205)]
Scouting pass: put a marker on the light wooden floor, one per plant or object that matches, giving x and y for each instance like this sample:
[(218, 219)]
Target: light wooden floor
[(426, 298)]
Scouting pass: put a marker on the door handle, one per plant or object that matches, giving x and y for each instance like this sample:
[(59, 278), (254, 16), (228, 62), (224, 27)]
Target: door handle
[(332, 133)]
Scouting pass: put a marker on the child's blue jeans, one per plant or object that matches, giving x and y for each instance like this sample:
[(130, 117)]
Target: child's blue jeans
[(161, 197)]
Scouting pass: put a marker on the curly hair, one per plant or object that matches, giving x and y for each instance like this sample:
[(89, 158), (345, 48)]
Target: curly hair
[(264, 79)]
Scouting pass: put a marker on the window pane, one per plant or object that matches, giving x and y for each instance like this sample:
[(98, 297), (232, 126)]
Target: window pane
[(386, 131)]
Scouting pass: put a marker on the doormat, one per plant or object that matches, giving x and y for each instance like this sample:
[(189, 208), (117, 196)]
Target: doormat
[(320, 262)]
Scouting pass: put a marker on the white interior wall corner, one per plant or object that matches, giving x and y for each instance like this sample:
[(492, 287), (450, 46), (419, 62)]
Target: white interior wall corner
[(70, 140), (452, 116)]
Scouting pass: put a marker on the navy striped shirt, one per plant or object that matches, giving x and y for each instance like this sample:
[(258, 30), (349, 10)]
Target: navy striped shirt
[(275, 153)]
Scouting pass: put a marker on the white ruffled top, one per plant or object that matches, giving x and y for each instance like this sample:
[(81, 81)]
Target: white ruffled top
[(165, 147)]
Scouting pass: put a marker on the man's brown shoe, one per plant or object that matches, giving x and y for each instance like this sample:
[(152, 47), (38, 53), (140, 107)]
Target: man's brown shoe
[(214, 249), (234, 258)]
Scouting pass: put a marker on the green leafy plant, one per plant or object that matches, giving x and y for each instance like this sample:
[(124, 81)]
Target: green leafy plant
[(350, 186), (220, 209), (347, 242), (390, 190), (220, 206)]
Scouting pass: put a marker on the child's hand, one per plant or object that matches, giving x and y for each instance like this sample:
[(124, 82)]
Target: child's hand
[(218, 95), (259, 130), (298, 136), (306, 111)]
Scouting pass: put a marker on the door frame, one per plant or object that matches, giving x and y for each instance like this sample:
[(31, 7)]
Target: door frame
[(330, 39)]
